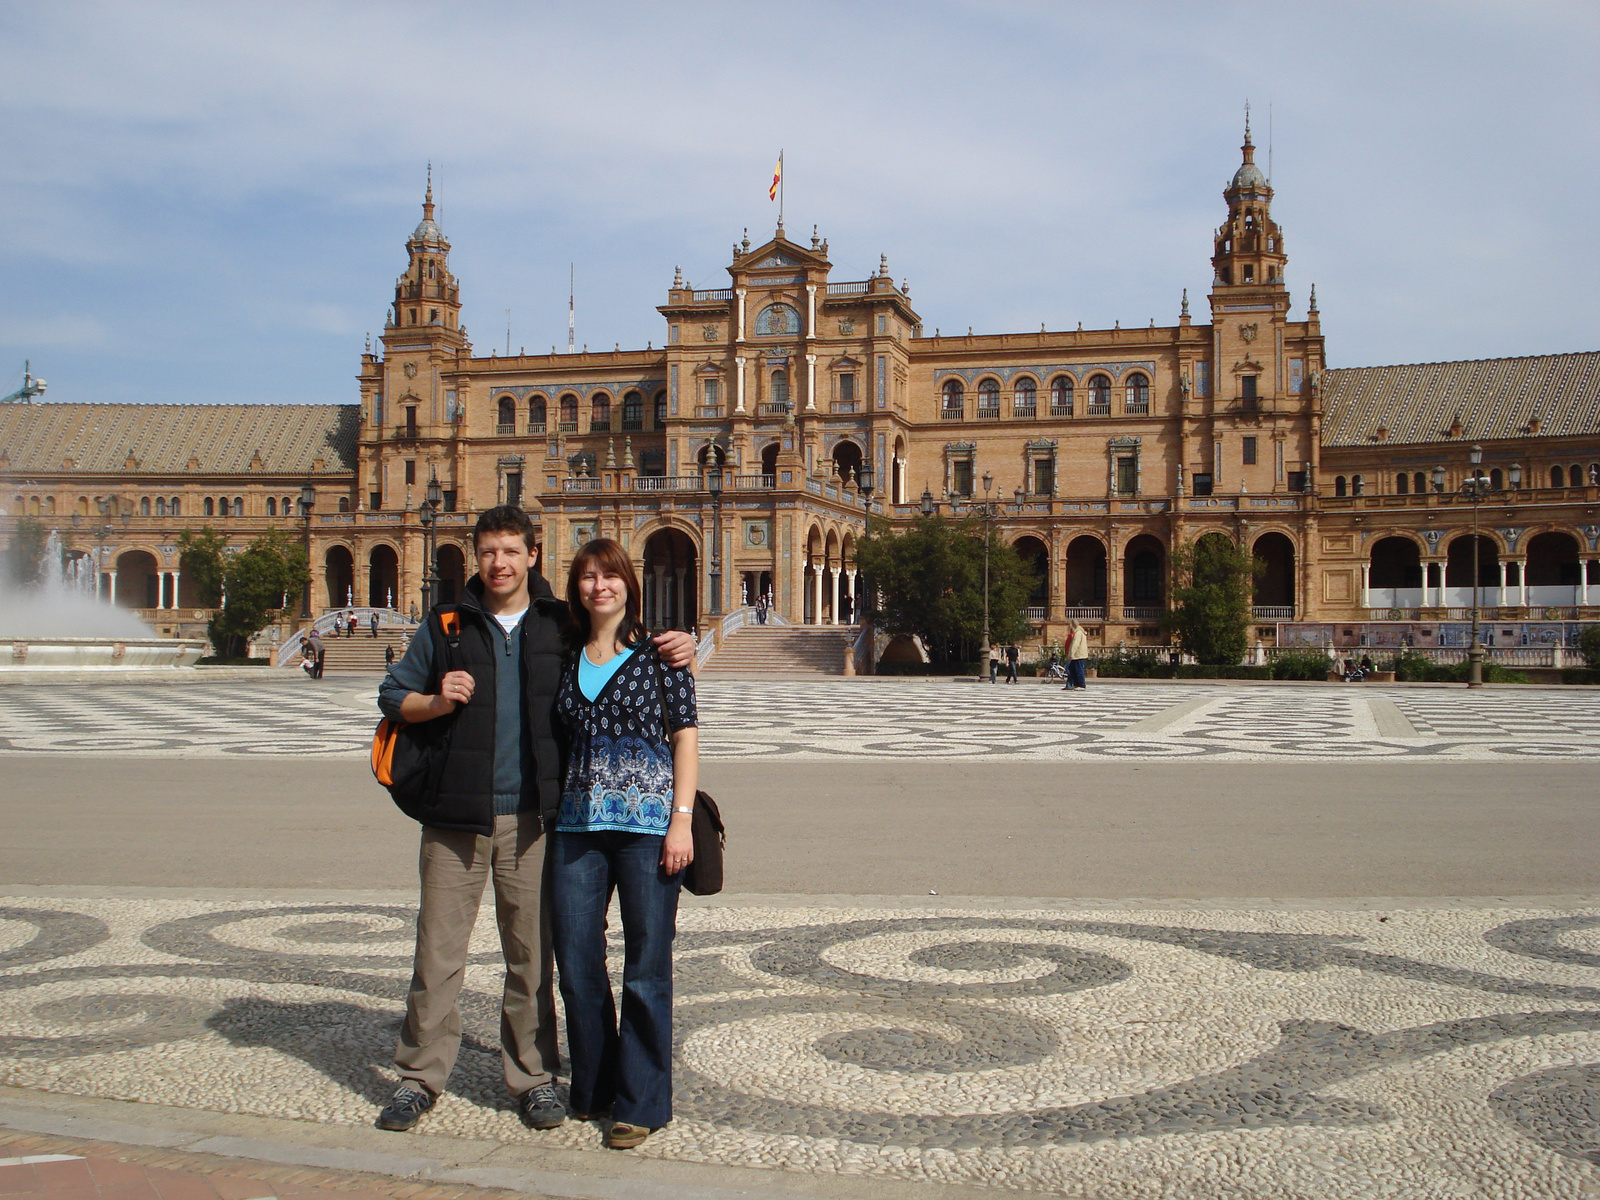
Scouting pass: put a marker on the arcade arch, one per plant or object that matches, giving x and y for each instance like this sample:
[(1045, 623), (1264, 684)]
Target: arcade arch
[(383, 577), (1086, 577), (670, 580), (1036, 555), (339, 572), (1273, 553), (452, 570)]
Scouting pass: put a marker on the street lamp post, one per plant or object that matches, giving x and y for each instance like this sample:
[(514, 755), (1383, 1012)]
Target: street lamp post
[(866, 480), (308, 501), (1476, 488), (429, 514), (714, 486)]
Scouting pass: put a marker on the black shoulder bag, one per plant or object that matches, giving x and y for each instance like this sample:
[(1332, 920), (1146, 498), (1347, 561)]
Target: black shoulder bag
[(703, 875), (409, 759)]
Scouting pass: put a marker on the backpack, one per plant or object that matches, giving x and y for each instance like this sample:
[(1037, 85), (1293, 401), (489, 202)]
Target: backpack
[(409, 759)]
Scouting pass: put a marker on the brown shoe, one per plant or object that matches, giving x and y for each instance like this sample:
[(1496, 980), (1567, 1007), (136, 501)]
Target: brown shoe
[(625, 1137)]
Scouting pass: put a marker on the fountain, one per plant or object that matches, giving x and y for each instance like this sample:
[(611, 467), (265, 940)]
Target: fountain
[(60, 624)]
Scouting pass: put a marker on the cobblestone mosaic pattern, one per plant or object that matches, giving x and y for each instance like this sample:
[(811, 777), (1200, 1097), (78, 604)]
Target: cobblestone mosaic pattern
[(877, 719), (1106, 1053)]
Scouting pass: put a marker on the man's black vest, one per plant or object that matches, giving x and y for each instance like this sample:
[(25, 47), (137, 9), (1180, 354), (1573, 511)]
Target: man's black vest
[(465, 799)]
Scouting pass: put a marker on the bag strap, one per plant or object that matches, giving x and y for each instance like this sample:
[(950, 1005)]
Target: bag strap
[(661, 692), (449, 642)]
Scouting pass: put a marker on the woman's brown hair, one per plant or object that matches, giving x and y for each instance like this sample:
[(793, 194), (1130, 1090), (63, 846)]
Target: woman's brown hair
[(605, 555)]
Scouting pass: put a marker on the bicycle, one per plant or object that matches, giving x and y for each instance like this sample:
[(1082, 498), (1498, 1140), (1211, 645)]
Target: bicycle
[(1057, 672)]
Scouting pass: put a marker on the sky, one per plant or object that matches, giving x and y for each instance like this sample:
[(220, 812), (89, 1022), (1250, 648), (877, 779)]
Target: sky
[(209, 202)]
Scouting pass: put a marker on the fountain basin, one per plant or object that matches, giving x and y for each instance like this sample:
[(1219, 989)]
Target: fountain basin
[(90, 653)]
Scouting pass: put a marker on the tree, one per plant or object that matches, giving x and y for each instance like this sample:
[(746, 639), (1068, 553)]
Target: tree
[(258, 583), (203, 558), (930, 581), (25, 555), (1210, 613)]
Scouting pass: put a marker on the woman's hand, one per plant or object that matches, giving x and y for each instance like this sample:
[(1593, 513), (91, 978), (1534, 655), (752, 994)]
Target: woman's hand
[(677, 848)]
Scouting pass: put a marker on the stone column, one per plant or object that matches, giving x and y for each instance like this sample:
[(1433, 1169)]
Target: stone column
[(816, 592), (1505, 582), (811, 383), (738, 330), (111, 586), (1522, 582), (681, 614), (1366, 586), (1583, 581), (177, 580), (738, 383), (850, 590), (833, 588)]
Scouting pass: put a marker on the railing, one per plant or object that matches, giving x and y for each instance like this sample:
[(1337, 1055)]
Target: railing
[(667, 483), (1143, 612), (1273, 612), (1036, 612), (737, 618), (600, 426), (1085, 612), (953, 414), (505, 427), (634, 425), (989, 414), (1138, 410), (535, 426), (293, 647), (1099, 410), (849, 289), (1061, 410), (581, 484), (844, 406), (708, 410), (773, 409), (406, 433), (567, 427), (714, 294), (1024, 410), (746, 482)]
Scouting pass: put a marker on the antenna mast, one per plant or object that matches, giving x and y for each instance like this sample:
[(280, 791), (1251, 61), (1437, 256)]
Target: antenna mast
[(1269, 141), (572, 288), (507, 311)]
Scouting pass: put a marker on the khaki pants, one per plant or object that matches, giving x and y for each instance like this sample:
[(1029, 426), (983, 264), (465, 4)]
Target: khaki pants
[(455, 866)]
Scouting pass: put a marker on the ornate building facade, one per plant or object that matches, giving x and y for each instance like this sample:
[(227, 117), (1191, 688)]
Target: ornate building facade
[(1100, 451)]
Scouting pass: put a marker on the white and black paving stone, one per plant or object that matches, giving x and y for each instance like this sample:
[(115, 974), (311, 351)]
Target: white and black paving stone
[(1116, 1052), (910, 720)]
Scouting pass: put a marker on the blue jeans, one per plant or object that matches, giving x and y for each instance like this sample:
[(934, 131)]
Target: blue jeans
[(626, 1064), (1077, 669)]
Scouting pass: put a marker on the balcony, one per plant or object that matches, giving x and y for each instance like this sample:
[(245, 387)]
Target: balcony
[(667, 483), (406, 433), (1061, 410), (535, 426), (1024, 410), (1085, 612), (708, 410), (600, 426), (1143, 612), (1274, 612), (567, 427), (581, 484), (1036, 612), (713, 294), (1136, 409), (844, 406), (953, 414), (505, 428), (849, 289), (1099, 410), (631, 424), (769, 409), (752, 482), (989, 414)]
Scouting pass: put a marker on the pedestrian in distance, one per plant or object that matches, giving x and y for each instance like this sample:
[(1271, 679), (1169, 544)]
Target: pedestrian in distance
[(994, 666), (374, 623), (354, 621), (493, 675), (1012, 654), (625, 828), (388, 656), (1077, 658), (761, 609), (314, 651)]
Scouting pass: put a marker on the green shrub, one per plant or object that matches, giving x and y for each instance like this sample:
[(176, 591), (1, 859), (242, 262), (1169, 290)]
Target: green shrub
[(1411, 667), (1301, 664), (1589, 646), (212, 660), (1131, 663), (1580, 675)]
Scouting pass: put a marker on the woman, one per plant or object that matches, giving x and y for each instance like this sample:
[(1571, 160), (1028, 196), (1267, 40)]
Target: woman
[(626, 806)]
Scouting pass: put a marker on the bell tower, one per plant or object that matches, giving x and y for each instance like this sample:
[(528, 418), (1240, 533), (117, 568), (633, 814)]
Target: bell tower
[(427, 298), (1249, 255)]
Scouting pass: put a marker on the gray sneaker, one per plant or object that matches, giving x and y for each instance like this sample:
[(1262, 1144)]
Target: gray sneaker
[(405, 1108), (540, 1109)]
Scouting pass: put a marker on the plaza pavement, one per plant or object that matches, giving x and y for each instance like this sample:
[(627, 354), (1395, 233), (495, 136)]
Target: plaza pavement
[(205, 917)]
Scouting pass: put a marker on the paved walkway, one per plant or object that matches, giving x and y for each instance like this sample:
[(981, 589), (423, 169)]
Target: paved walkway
[(895, 719), (843, 1046)]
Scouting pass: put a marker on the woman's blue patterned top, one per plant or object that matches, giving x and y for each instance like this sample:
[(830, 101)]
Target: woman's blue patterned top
[(619, 772)]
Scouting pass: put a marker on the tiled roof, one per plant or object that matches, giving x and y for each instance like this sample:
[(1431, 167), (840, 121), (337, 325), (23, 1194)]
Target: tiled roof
[(233, 439), (1492, 397)]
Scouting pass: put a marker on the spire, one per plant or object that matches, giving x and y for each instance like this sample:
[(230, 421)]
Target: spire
[(427, 199), (1313, 305)]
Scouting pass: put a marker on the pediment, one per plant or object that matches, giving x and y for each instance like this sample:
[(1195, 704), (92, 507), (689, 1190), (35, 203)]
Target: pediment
[(780, 254)]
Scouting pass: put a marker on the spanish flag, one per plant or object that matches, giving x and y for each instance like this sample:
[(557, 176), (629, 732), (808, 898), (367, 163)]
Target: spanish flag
[(777, 178)]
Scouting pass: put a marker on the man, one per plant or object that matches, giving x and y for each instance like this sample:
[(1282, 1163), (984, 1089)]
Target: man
[(1077, 658), (374, 623), (500, 790), (314, 651), (1012, 655)]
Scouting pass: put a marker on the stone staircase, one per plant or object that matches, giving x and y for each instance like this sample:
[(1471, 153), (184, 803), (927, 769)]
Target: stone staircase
[(784, 649), (362, 652)]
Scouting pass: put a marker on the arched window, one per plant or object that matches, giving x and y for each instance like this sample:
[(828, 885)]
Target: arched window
[(1137, 395), (1575, 476), (536, 414), (1556, 477), (238, 506), (144, 504), (176, 507), (1338, 485), (600, 413), (506, 418), (1061, 396), (208, 508), (161, 506), (955, 399), (272, 506), (1024, 398), (1402, 483), (1356, 485), (1099, 396), (1419, 483), (569, 413), (780, 386), (632, 411), (660, 414), (1496, 479), (989, 398)]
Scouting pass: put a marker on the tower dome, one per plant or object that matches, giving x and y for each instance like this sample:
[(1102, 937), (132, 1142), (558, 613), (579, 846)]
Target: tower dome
[(427, 230), (1247, 176)]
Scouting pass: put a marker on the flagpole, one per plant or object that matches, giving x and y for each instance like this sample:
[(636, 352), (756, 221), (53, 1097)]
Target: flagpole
[(780, 187)]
